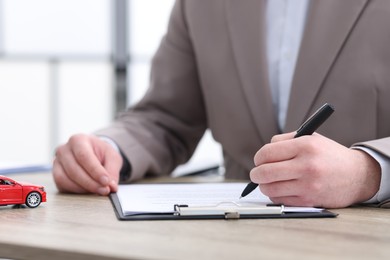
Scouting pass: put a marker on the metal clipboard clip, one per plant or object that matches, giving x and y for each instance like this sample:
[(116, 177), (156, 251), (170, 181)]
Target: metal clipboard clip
[(230, 210)]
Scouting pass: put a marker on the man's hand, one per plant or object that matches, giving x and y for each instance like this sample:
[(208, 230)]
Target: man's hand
[(314, 171), (87, 164)]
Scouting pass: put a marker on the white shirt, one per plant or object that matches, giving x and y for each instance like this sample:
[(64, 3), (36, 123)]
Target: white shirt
[(285, 23)]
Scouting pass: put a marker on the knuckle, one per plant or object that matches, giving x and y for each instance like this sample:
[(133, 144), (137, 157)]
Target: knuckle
[(256, 175), (310, 144), (313, 168), (76, 139), (315, 187), (277, 138), (81, 155), (313, 146), (95, 170), (274, 138), (59, 152)]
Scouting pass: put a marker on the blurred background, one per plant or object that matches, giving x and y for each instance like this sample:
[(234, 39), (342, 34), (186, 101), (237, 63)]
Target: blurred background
[(68, 66)]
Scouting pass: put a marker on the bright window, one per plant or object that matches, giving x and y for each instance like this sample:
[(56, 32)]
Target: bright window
[(57, 75)]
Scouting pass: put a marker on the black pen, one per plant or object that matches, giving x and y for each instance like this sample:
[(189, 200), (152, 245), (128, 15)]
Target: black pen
[(307, 128)]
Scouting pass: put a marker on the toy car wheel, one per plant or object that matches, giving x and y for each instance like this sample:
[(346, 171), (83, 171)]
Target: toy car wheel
[(33, 199)]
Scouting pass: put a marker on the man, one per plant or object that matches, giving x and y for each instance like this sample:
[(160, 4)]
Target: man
[(226, 65)]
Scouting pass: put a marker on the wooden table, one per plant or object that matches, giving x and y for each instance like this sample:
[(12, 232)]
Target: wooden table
[(85, 227)]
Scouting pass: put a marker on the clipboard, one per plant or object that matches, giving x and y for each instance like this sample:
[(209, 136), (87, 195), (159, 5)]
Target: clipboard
[(227, 212)]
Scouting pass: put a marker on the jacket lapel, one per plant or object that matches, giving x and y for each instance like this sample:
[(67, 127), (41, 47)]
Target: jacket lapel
[(327, 28), (246, 29)]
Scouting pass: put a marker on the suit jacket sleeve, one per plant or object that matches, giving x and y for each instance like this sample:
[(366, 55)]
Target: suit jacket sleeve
[(163, 129), (380, 150), (381, 146)]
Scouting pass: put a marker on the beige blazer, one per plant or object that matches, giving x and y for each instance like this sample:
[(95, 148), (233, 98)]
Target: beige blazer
[(210, 71)]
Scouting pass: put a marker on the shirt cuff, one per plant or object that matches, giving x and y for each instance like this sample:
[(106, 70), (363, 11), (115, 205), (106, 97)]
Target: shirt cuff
[(110, 142), (384, 162)]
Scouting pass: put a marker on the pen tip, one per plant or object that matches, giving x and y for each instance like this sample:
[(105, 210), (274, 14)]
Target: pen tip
[(240, 197)]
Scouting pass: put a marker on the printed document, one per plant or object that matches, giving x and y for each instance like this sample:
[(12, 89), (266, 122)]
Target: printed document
[(160, 198)]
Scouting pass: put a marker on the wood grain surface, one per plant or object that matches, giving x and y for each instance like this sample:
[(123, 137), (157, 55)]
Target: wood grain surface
[(75, 227)]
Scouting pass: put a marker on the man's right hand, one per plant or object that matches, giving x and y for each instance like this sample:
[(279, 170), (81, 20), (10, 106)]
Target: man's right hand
[(87, 164)]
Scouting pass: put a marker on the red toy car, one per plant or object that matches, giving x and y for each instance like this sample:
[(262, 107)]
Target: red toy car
[(12, 192)]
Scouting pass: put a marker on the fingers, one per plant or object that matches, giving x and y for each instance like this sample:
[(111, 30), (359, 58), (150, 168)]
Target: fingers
[(65, 183), (86, 157), (86, 164), (276, 172), (281, 189), (73, 177), (112, 163), (62, 181), (287, 170), (313, 171), (285, 148), (275, 152), (293, 192)]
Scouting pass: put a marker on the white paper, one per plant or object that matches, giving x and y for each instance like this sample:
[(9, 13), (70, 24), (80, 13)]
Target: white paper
[(161, 198)]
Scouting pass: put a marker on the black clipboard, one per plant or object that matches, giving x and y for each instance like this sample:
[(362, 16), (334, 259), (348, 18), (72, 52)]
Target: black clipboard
[(224, 215)]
